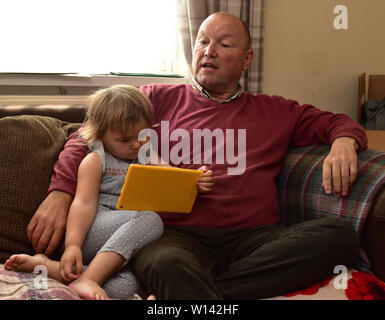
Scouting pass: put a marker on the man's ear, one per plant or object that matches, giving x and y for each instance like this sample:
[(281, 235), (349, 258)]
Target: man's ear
[(249, 55)]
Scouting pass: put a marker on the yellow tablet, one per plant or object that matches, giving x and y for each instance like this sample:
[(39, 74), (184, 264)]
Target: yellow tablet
[(160, 189)]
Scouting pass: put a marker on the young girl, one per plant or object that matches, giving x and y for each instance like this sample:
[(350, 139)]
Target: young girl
[(97, 234)]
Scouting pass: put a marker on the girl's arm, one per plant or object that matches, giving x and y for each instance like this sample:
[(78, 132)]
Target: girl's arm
[(82, 212)]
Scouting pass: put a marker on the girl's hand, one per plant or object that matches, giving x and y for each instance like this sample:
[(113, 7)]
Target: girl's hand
[(206, 180), (71, 263)]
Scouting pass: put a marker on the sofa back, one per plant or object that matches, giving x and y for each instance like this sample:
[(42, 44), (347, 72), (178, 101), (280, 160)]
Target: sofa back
[(68, 113)]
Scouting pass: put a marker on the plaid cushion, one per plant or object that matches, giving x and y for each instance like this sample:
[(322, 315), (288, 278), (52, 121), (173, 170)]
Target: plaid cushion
[(300, 192)]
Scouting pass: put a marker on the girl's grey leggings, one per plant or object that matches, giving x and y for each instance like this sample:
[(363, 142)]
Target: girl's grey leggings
[(123, 232)]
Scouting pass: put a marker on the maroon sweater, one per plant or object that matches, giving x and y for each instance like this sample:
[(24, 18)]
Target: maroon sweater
[(272, 125)]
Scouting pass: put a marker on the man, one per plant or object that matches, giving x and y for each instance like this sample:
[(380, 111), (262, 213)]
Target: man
[(231, 245)]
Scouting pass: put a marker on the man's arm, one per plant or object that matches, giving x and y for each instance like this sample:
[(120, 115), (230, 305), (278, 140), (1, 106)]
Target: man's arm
[(346, 137), (65, 171), (47, 226)]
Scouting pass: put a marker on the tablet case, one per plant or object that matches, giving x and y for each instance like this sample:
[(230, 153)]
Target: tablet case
[(160, 189)]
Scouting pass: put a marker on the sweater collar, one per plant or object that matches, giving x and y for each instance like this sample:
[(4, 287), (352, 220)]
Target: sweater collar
[(203, 92)]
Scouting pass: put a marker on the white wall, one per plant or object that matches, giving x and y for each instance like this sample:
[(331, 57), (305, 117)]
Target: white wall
[(308, 60)]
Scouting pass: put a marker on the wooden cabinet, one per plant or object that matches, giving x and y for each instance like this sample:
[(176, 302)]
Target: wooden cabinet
[(375, 91)]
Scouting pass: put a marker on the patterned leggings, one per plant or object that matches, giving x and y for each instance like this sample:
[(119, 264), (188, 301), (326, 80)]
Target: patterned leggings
[(123, 232)]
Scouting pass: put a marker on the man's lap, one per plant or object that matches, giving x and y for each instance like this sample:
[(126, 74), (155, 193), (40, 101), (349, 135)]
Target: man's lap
[(232, 257), (226, 246)]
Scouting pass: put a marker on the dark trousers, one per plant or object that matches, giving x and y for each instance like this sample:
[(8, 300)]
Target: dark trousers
[(255, 263)]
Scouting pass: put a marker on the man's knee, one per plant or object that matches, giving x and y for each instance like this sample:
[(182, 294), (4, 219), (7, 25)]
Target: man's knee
[(339, 227), (154, 259), (341, 237), (173, 272), (162, 269)]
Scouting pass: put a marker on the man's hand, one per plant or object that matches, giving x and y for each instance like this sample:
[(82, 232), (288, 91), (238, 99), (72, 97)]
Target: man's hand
[(47, 226), (340, 167)]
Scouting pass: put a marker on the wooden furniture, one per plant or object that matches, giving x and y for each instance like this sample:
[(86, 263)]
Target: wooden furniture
[(376, 91)]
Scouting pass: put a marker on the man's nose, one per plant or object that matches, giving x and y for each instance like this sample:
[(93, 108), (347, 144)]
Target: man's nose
[(211, 50)]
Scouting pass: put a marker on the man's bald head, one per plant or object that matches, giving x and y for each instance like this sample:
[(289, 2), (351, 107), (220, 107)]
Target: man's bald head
[(243, 25)]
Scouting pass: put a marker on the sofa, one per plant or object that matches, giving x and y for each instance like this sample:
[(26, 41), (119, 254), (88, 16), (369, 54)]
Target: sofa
[(31, 138)]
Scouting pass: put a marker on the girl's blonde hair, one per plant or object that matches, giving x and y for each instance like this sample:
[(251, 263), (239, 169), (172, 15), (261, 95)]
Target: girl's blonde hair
[(116, 108)]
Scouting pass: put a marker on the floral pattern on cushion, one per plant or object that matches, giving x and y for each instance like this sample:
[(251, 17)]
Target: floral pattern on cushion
[(365, 286), (23, 286), (359, 286)]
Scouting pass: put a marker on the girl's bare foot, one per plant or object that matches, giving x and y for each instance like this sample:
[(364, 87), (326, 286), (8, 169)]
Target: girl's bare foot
[(151, 297), (25, 262), (88, 289)]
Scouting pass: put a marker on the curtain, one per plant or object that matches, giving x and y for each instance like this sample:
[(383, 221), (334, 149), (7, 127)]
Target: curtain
[(191, 13)]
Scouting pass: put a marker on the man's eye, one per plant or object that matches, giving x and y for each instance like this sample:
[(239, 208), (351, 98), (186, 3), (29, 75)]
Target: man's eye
[(226, 45)]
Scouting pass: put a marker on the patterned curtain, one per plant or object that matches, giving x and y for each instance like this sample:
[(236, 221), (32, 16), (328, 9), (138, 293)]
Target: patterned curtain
[(191, 13)]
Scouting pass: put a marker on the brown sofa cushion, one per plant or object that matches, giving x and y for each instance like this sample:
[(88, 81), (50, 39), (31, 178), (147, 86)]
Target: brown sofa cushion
[(29, 147)]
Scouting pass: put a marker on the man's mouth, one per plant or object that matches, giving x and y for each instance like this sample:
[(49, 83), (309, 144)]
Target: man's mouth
[(208, 65)]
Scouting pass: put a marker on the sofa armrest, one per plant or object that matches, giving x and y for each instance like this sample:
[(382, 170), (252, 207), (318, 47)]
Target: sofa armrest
[(373, 236), (301, 197)]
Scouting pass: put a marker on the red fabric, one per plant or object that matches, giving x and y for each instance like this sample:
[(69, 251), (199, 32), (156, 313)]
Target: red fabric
[(365, 286), (271, 123), (361, 286)]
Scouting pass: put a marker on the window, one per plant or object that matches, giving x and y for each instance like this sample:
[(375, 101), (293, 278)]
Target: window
[(88, 36)]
